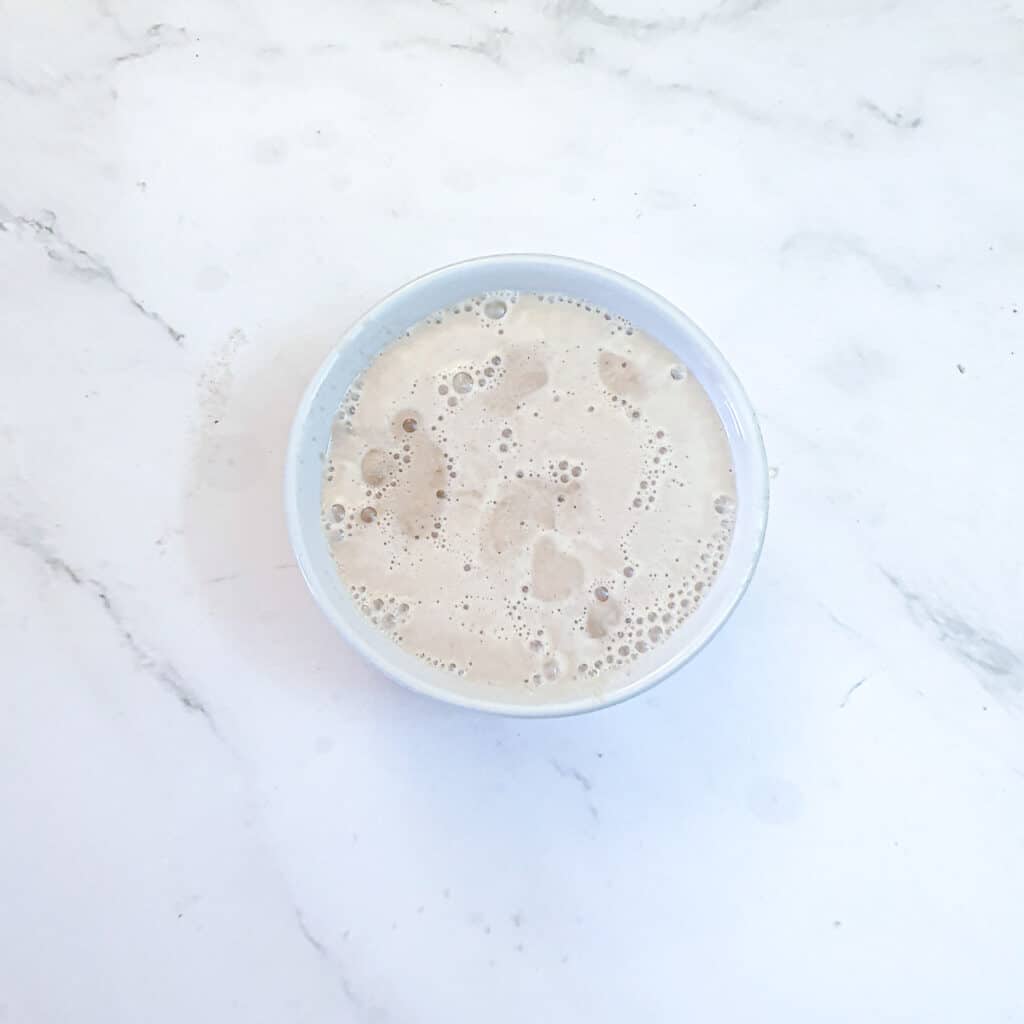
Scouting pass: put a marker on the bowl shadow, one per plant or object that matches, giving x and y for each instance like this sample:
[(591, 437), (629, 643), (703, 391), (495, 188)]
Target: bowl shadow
[(235, 534)]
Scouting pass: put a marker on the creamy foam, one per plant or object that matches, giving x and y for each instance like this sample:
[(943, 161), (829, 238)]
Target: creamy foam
[(528, 491)]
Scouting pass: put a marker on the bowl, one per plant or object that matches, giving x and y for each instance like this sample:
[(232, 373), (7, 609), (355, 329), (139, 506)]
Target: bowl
[(394, 315)]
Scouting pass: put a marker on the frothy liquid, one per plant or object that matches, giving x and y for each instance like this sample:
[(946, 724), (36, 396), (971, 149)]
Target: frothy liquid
[(528, 492)]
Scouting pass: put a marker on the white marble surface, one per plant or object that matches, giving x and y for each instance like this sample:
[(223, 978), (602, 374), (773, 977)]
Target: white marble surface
[(212, 811)]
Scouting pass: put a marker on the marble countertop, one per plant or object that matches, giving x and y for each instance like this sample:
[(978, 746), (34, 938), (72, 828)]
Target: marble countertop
[(214, 811)]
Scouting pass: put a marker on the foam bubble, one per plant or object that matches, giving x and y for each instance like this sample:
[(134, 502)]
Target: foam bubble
[(725, 505)]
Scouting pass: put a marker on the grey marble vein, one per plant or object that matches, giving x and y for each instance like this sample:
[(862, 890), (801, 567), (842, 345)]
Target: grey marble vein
[(852, 690), (157, 37), (328, 957), (587, 10), (51, 85), (722, 101), (22, 85), (827, 243), (895, 120), (585, 783), (79, 261), (999, 668), (105, 11), (160, 669), (719, 100), (843, 625), (490, 46)]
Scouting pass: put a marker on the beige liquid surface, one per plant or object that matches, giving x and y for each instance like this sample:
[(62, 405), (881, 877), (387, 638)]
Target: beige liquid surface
[(528, 492)]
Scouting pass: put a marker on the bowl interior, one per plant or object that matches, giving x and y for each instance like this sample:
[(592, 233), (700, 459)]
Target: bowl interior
[(394, 315)]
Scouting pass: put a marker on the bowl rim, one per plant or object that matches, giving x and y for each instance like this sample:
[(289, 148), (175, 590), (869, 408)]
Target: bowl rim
[(579, 705)]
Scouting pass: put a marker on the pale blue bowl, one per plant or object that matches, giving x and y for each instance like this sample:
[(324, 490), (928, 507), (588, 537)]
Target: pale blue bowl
[(549, 274)]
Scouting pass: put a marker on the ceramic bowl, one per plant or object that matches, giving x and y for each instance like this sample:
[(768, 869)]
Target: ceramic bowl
[(547, 274)]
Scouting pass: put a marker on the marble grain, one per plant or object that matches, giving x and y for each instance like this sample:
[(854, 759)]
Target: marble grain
[(214, 811)]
